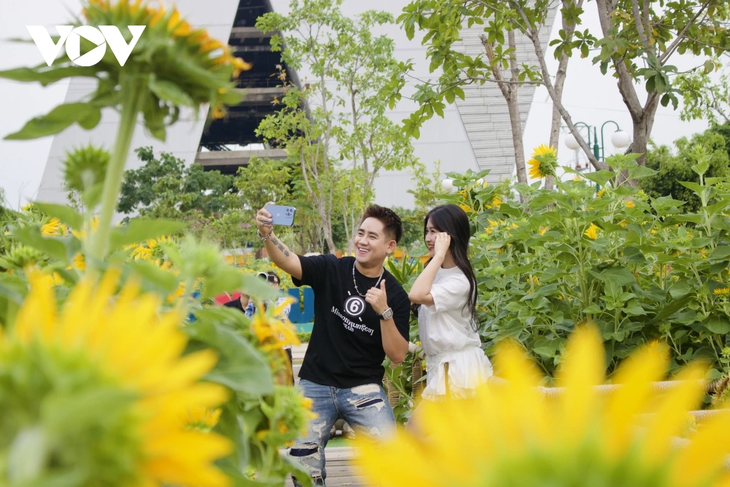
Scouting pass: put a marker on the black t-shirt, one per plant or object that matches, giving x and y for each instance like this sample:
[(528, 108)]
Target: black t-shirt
[(235, 303), (346, 347)]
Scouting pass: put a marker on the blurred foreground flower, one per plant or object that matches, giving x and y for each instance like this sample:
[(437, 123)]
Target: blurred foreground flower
[(511, 434), (97, 393)]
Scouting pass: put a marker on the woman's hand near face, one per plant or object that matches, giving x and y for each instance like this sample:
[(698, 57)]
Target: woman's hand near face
[(441, 244)]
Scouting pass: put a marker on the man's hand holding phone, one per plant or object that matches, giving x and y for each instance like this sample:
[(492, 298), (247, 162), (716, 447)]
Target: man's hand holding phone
[(272, 214)]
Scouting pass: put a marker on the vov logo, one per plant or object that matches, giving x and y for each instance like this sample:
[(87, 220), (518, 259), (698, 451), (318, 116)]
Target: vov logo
[(105, 34)]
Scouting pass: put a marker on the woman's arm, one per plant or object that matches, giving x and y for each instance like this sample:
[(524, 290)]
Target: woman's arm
[(421, 290)]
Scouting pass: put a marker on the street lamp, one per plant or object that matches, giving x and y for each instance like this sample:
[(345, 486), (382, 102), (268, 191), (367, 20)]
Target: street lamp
[(619, 139)]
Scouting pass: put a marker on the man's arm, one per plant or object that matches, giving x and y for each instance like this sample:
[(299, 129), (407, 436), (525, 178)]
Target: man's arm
[(394, 345), (279, 253)]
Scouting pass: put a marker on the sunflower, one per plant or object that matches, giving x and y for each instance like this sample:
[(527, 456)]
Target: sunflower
[(81, 234), (513, 434), (592, 232), (202, 418), (51, 228), (630, 204), (272, 332), (110, 390), (543, 162), (722, 291)]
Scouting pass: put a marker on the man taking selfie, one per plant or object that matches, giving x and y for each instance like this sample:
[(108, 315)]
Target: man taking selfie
[(360, 316)]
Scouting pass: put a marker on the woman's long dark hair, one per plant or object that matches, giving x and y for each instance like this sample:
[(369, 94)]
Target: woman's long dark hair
[(453, 220)]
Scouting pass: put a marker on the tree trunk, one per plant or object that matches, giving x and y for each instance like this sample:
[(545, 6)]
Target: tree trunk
[(560, 76), (509, 92)]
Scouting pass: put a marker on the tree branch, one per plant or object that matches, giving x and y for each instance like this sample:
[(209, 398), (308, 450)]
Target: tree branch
[(673, 46), (533, 35), (639, 21)]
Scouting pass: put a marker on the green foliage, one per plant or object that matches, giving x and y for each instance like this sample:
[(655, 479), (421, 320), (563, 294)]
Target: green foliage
[(304, 336), (349, 113), (703, 96), (640, 268), (636, 43), (400, 377), (412, 227), (165, 188), (674, 169)]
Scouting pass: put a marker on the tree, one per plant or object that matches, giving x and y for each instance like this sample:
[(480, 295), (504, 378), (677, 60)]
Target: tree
[(673, 169), (636, 43), (165, 188), (443, 21), (702, 97), (341, 134)]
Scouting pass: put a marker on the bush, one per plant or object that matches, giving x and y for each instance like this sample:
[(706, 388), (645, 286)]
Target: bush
[(641, 268)]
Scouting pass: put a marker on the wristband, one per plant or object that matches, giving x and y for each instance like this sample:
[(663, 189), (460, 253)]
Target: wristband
[(264, 239)]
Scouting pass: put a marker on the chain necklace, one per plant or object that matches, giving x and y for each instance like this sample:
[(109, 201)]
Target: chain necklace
[(355, 282)]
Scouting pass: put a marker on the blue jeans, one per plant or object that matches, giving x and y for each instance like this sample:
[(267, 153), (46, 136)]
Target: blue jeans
[(365, 408)]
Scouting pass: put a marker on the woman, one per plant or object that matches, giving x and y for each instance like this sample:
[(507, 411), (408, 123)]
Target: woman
[(447, 293)]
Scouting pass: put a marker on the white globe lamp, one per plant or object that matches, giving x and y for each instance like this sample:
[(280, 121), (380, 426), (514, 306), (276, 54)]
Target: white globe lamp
[(620, 139), (448, 185), (571, 143)]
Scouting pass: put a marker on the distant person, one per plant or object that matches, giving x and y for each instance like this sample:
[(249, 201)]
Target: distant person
[(244, 304), (360, 317), (446, 291)]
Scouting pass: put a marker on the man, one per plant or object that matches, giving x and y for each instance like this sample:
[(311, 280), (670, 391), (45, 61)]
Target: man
[(360, 316)]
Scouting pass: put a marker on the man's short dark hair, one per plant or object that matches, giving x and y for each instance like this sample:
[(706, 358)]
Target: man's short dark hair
[(391, 222)]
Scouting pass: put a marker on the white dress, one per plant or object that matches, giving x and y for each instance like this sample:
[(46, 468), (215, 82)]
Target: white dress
[(448, 336)]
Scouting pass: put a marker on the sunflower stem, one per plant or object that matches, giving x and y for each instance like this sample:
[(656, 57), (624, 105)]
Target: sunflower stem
[(132, 97)]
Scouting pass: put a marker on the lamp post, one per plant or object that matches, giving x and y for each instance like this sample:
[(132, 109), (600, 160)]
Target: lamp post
[(619, 139)]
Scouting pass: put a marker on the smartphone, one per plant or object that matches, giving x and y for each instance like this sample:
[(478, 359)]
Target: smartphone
[(281, 215)]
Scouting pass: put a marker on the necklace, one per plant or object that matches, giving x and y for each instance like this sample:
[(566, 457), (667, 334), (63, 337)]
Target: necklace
[(355, 282)]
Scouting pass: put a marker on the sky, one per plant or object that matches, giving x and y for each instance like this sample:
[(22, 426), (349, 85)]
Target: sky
[(589, 96)]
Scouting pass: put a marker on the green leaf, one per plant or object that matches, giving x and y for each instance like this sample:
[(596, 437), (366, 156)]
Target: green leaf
[(225, 279), (697, 188), (165, 280), (701, 167), (297, 469), (241, 367), (12, 287), (719, 325), (547, 348), (720, 253), (32, 237), (600, 177), (139, 230), (56, 121), (640, 172), (679, 289), (632, 255), (619, 275), (168, 91), (66, 214), (46, 75)]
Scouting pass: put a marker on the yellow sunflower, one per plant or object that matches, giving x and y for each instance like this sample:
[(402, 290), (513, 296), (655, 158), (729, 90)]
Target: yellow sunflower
[(51, 228), (721, 291), (513, 434), (592, 231), (115, 361), (543, 162), (271, 331)]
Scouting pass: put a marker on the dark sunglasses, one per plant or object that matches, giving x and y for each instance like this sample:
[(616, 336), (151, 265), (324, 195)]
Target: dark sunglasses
[(267, 277)]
